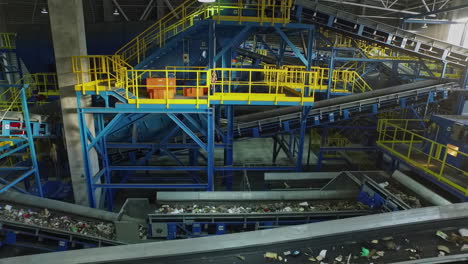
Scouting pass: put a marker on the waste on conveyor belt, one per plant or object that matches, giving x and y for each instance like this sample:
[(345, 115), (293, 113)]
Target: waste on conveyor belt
[(246, 208), (412, 201), (58, 221)]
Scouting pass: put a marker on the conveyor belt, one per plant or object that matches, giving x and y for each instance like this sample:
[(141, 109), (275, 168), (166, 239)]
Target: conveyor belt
[(410, 230), (24, 225), (358, 27), (356, 103)]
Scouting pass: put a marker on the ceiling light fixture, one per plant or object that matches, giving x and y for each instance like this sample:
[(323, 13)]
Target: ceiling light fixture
[(116, 12), (206, 1), (44, 11)]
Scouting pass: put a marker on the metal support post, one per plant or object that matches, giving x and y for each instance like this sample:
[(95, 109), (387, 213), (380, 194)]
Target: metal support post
[(108, 193), (310, 46), (330, 72), (228, 149), (210, 148), (464, 78), (302, 135), (84, 149), (281, 53), (211, 44), (322, 143), (29, 134)]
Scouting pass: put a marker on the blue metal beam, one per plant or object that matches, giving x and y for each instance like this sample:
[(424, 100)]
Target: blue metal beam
[(292, 46), (236, 40), (197, 168), (150, 186), (4, 155), (194, 123), (19, 179), (105, 130), (187, 130)]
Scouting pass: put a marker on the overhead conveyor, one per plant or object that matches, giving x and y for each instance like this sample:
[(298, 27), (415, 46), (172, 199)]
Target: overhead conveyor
[(363, 28), (341, 108)]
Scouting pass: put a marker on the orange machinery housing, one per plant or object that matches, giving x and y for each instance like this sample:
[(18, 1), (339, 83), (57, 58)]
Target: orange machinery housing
[(161, 88)]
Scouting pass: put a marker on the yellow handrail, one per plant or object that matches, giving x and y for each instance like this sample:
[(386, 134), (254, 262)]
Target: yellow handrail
[(101, 73), (39, 83), (398, 137), (7, 40), (185, 16)]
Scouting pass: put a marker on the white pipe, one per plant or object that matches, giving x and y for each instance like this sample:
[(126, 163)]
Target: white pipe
[(419, 189)]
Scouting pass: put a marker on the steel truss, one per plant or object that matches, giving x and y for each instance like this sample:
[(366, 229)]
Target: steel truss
[(22, 142)]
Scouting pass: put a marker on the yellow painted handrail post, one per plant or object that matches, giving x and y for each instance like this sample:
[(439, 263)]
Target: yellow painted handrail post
[(411, 144), (83, 73), (394, 136), (430, 154), (198, 89), (443, 164), (208, 84), (277, 86), (138, 49), (167, 89), (239, 11), (108, 78), (126, 83), (250, 85), (160, 35), (262, 11), (222, 81), (230, 80)]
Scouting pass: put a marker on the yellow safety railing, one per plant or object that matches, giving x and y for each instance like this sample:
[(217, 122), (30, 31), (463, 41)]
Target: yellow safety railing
[(334, 140), (42, 84), (10, 100), (97, 73), (343, 81), (185, 16), (7, 40), (401, 139), (101, 73), (272, 85), (39, 83), (200, 83)]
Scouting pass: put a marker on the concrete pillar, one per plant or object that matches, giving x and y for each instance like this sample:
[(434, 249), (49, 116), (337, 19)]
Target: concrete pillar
[(68, 34)]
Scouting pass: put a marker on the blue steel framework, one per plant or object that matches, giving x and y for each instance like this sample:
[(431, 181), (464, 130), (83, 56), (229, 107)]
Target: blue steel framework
[(201, 125), (20, 144), (203, 134)]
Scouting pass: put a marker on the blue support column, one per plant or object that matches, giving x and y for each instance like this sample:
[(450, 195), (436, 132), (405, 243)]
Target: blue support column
[(211, 45), (464, 78), (210, 148), (105, 162), (322, 143), (291, 45), (281, 53), (84, 149), (330, 72), (302, 134), (29, 134), (310, 54), (228, 149)]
